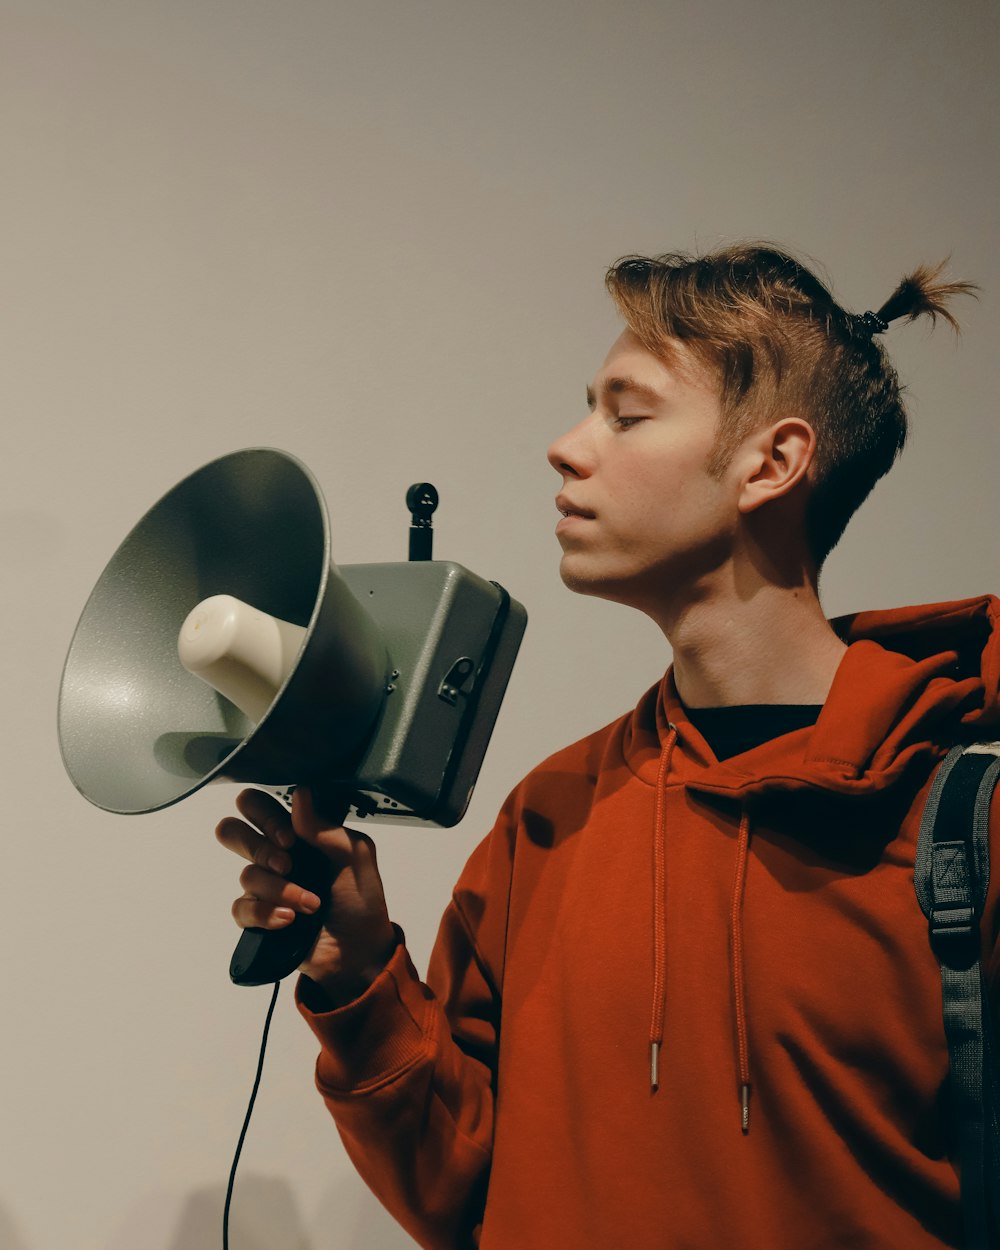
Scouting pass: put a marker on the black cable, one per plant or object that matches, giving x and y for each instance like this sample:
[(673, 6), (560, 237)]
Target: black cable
[(246, 1121)]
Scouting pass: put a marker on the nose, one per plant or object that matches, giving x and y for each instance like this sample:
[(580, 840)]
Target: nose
[(569, 454)]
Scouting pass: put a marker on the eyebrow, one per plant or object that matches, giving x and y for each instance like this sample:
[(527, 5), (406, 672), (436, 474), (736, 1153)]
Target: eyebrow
[(624, 385)]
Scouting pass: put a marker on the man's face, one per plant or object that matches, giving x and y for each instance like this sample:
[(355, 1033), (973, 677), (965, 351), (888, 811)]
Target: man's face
[(647, 522)]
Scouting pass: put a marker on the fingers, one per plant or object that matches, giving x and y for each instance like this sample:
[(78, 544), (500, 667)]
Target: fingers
[(264, 837), (235, 835), (251, 913), (271, 817), (270, 901), (267, 846)]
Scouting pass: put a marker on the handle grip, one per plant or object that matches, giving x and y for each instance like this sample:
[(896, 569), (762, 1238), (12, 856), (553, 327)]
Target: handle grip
[(263, 956)]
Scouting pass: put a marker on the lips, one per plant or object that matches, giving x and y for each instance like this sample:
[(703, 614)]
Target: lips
[(568, 508)]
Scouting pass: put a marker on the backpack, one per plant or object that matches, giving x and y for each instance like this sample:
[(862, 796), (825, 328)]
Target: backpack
[(951, 877)]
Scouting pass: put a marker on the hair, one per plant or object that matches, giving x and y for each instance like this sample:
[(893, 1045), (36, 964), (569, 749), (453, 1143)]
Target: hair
[(780, 345)]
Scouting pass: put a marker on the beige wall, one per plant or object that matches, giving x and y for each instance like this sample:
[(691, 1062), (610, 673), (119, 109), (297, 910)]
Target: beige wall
[(374, 235)]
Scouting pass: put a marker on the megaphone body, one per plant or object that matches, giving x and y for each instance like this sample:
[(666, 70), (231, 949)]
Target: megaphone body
[(391, 676)]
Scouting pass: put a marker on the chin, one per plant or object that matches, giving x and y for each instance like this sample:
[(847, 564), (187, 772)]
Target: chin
[(582, 582), (642, 590)]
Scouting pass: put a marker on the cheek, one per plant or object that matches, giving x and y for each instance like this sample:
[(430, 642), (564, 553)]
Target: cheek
[(662, 493), (678, 510)]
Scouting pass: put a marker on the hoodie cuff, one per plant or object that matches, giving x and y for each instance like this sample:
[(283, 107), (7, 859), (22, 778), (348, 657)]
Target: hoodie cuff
[(375, 1037)]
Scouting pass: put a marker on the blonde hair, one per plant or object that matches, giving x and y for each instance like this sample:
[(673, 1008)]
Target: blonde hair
[(780, 344)]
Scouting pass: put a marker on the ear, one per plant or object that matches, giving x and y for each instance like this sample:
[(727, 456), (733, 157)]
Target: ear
[(776, 459)]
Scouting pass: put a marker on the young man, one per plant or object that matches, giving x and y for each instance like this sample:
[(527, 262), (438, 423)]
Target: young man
[(683, 995)]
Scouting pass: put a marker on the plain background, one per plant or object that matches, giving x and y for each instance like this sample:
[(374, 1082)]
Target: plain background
[(374, 235)]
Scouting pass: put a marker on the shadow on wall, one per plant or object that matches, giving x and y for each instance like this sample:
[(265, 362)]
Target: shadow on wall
[(350, 1217), (263, 1216)]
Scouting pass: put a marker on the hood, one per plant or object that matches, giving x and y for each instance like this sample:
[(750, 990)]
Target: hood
[(913, 682)]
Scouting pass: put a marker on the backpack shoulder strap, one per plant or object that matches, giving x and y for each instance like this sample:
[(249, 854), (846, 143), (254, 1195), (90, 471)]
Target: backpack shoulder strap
[(951, 879)]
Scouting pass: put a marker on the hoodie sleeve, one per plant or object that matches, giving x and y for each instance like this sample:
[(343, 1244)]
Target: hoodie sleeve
[(408, 1070)]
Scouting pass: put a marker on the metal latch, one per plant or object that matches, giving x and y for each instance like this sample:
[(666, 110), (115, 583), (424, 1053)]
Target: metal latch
[(455, 678)]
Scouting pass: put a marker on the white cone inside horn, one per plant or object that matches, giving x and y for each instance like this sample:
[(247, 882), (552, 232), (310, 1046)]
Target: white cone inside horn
[(137, 730), (243, 653)]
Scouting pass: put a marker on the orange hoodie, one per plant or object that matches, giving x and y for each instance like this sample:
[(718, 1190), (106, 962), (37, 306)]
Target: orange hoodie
[(685, 1004)]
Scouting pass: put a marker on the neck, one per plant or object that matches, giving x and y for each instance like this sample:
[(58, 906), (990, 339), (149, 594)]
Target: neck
[(771, 645)]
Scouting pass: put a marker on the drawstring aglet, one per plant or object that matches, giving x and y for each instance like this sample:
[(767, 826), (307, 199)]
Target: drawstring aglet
[(745, 1108), (654, 1067)]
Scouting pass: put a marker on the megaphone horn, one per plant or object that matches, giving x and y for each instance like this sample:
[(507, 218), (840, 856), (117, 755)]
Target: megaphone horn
[(221, 642)]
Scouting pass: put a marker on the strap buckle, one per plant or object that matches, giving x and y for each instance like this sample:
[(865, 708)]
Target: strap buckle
[(955, 935)]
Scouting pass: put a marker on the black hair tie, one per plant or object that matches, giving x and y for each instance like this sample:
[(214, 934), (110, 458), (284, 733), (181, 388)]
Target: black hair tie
[(869, 323)]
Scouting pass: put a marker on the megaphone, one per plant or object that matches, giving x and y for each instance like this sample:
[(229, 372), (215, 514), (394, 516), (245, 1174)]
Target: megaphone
[(222, 643)]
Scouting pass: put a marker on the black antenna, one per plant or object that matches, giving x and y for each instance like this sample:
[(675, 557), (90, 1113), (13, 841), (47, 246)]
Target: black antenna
[(422, 500)]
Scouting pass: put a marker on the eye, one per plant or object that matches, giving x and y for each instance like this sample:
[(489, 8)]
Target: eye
[(626, 423)]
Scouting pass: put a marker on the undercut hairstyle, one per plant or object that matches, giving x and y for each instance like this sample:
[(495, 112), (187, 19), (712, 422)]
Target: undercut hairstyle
[(780, 345)]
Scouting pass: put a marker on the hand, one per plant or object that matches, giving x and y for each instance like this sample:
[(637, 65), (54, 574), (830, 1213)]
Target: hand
[(357, 938)]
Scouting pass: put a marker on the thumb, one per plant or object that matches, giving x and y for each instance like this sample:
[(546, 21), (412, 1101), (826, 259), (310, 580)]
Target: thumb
[(322, 828)]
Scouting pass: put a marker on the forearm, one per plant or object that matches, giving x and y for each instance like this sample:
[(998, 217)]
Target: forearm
[(414, 1110)]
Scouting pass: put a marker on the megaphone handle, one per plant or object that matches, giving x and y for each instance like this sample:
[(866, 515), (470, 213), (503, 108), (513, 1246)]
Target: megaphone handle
[(263, 956)]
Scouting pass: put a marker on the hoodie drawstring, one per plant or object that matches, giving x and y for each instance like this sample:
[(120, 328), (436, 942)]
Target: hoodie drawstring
[(660, 939), (659, 915), (738, 970)]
